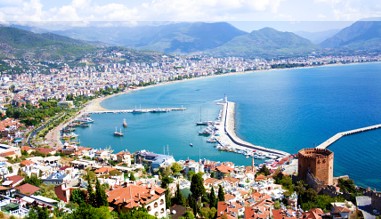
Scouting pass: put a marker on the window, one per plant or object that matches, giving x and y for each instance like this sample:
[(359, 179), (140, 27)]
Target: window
[(161, 201), (162, 210), (155, 205), (149, 208)]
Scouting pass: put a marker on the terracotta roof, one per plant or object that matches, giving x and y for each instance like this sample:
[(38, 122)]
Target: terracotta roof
[(229, 197), (25, 148), (224, 169), (260, 177), (27, 189), (15, 179), (231, 180), (134, 195), (45, 151), (61, 194), (104, 170), (26, 163), (280, 214), (7, 154), (210, 181)]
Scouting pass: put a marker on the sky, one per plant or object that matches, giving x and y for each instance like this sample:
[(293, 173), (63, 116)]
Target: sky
[(308, 15)]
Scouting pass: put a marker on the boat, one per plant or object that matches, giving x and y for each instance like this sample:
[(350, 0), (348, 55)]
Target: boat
[(69, 136), (190, 144), (84, 125), (211, 140), (159, 110), (124, 123), (119, 134), (85, 119)]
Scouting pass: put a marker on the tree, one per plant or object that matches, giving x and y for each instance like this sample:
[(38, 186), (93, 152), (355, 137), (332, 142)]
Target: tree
[(212, 198), (192, 203), (136, 213), (188, 215), (90, 193), (33, 179), (208, 213), (197, 186), (89, 212), (264, 170), (176, 168), (168, 198), (78, 196), (100, 195), (165, 181), (179, 198), (132, 177), (38, 213), (221, 193)]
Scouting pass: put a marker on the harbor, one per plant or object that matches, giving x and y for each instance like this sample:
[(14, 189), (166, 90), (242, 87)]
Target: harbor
[(147, 110), (339, 135), (223, 132)]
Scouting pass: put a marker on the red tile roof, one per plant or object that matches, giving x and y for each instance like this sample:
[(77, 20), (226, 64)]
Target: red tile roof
[(27, 189), (134, 195), (26, 163)]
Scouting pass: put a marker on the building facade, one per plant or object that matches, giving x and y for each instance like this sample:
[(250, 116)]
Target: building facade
[(318, 163)]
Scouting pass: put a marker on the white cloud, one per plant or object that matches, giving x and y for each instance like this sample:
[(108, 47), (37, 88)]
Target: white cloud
[(85, 11)]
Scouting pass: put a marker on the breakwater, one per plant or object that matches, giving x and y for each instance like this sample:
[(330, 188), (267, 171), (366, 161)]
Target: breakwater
[(147, 110), (339, 135), (232, 140)]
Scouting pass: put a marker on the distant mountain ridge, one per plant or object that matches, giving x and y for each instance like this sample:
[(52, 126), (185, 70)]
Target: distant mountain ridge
[(317, 37), (361, 35), (169, 38), (17, 43), (266, 42)]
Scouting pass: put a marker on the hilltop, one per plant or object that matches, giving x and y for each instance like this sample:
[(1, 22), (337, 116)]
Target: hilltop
[(17, 43), (266, 42), (361, 35)]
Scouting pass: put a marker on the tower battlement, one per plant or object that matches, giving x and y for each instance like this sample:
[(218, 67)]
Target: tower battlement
[(318, 162)]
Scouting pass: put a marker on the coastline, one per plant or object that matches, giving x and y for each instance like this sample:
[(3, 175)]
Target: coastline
[(53, 136), (228, 137)]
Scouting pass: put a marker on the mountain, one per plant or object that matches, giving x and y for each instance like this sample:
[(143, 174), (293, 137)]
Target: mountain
[(361, 35), (168, 38), (266, 42), (17, 43), (317, 37)]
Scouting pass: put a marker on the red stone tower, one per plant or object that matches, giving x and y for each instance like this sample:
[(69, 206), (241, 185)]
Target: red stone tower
[(319, 162)]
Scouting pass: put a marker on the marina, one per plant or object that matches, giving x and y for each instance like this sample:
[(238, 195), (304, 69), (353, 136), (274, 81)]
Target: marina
[(223, 132)]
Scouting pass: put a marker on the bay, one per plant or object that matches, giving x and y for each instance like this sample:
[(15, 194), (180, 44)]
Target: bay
[(283, 109)]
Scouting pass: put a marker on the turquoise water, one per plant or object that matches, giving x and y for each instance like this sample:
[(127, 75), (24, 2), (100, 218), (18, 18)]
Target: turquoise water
[(285, 109)]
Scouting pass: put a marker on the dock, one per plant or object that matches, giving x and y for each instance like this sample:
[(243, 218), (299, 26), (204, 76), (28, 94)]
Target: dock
[(339, 135), (147, 110), (229, 137)]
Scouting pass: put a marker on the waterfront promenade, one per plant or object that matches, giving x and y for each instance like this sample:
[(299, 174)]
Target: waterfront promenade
[(339, 135), (228, 137)]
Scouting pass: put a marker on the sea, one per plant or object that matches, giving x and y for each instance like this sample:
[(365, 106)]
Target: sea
[(286, 109)]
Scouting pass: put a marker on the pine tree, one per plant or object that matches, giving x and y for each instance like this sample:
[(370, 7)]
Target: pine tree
[(179, 198), (197, 186), (90, 194), (221, 193), (100, 195), (212, 198)]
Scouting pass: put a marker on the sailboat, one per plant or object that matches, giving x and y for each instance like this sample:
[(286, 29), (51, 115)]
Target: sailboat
[(119, 134), (124, 123)]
